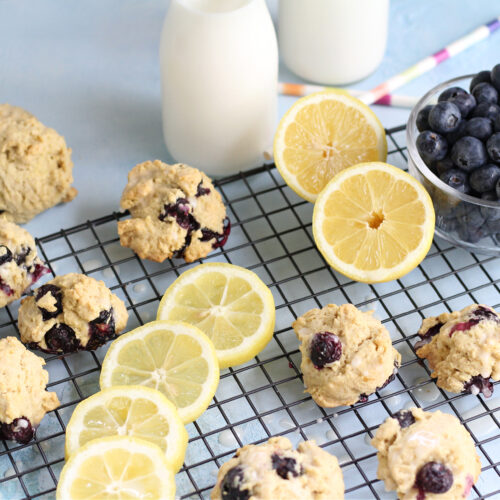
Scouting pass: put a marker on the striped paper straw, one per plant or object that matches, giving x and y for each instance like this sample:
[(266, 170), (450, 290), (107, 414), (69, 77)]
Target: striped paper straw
[(301, 89), (431, 62)]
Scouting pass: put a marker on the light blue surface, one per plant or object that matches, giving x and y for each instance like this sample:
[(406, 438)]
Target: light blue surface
[(90, 70)]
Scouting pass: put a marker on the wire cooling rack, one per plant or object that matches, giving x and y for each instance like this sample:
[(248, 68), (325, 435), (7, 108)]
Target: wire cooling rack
[(272, 236)]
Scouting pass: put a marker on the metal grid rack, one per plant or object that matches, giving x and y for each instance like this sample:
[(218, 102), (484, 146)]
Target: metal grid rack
[(271, 236)]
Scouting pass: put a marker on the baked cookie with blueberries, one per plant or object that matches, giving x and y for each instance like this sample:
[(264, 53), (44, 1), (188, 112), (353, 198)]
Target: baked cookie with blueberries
[(23, 398), (346, 354), (463, 349), (70, 313), (20, 266), (35, 166), (275, 471), (176, 212), (426, 456)]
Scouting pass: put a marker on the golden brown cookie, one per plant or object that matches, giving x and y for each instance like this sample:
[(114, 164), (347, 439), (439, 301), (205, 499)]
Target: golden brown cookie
[(346, 354), (426, 456), (275, 471), (20, 266), (176, 212), (23, 398), (463, 349), (70, 313), (35, 166)]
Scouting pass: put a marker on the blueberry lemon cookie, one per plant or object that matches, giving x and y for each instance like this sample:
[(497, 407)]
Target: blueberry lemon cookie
[(70, 313), (23, 398), (275, 471), (426, 456), (463, 349), (346, 354), (35, 166), (176, 212), (19, 265)]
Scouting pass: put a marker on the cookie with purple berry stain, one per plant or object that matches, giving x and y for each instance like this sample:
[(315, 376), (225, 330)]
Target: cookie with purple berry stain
[(463, 349), (275, 471), (24, 400), (20, 266), (347, 354), (176, 212), (426, 456), (70, 313)]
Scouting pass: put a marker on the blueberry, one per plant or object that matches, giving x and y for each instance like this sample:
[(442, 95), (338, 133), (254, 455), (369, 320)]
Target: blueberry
[(485, 178), (6, 289), (20, 430), (489, 213), (405, 418), (482, 76), (465, 103), (201, 191), (485, 92), (451, 92), (457, 179), (444, 117), (484, 313), (286, 467), (453, 137), (325, 348), (422, 120), (231, 485), (5, 254), (487, 110), (22, 255), (493, 147), (468, 153), (431, 146), (61, 338), (443, 165), (478, 384), (220, 238), (56, 293), (495, 77), (434, 477), (180, 211), (101, 330), (479, 127)]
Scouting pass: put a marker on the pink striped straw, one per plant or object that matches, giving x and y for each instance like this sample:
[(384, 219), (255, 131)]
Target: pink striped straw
[(430, 62)]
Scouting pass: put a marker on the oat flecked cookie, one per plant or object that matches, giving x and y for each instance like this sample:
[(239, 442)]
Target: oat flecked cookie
[(70, 313), (176, 212), (35, 166), (23, 398), (463, 349), (346, 354), (426, 456), (20, 266), (275, 471)]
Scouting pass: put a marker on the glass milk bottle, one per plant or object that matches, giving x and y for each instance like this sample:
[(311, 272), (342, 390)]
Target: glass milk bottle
[(219, 72), (333, 42)]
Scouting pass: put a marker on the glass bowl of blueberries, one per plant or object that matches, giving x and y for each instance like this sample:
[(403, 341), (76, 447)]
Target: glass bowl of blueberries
[(453, 139)]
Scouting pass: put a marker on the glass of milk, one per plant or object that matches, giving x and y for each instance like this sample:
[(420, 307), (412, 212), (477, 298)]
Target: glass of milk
[(219, 74), (333, 42)]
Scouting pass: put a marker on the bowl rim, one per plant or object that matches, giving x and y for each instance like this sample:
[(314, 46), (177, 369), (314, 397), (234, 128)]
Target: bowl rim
[(411, 136)]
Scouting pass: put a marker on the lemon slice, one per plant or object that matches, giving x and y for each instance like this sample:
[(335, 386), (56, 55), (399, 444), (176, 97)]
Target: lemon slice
[(173, 357), (129, 411), (323, 133), (373, 222), (116, 467), (229, 303)]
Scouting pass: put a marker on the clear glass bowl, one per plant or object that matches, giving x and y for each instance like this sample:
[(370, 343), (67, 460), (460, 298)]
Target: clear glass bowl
[(465, 221)]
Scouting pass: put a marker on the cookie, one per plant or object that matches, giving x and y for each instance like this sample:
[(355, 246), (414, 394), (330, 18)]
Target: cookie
[(35, 166), (275, 471), (426, 456), (346, 354), (176, 212), (23, 398), (20, 266), (70, 313), (463, 349)]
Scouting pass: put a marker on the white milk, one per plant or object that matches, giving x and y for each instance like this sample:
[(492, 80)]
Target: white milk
[(333, 41), (219, 69)]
